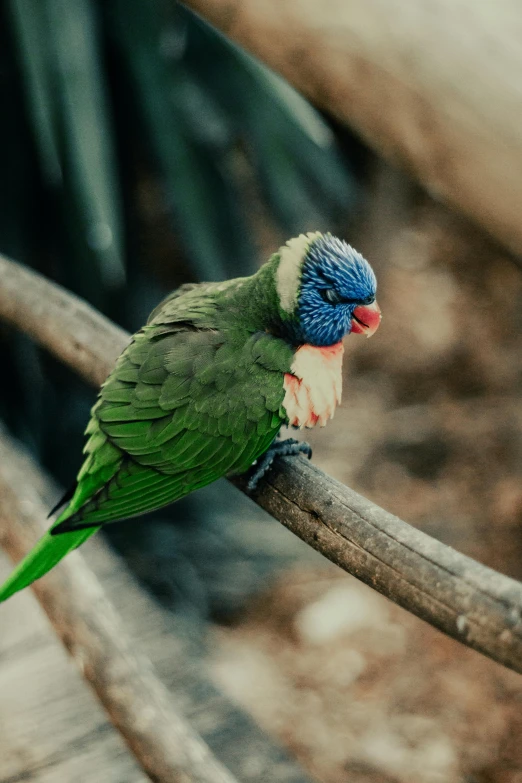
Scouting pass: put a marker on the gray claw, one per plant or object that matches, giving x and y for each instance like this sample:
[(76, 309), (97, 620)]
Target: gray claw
[(279, 448)]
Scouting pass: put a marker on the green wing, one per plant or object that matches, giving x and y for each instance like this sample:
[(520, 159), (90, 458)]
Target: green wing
[(179, 410)]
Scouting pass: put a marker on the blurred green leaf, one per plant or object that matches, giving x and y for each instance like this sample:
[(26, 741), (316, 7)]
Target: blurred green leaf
[(66, 97), (183, 124), (306, 180), (31, 31), (85, 132)]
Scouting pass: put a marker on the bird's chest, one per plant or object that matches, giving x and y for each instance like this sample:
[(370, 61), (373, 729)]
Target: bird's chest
[(313, 387)]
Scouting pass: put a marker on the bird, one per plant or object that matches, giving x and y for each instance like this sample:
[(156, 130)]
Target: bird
[(203, 389)]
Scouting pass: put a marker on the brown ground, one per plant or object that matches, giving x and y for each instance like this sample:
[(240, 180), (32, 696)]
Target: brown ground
[(431, 429), (362, 692)]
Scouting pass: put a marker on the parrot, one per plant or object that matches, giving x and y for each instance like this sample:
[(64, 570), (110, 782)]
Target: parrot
[(203, 389)]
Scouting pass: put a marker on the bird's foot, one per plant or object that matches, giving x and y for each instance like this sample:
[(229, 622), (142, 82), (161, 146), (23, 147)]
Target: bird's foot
[(279, 448)]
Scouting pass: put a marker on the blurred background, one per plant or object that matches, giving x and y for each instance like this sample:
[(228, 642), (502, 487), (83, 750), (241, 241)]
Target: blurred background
[(140, 149)]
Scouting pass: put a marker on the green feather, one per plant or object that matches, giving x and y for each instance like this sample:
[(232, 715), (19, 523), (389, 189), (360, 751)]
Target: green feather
[(119, 391), (45, 555), (129, 374), (165, 429), (145, 394), (127, 429), (123, 413), (153, 371)]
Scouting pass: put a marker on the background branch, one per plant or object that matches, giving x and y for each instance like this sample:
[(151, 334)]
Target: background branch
[(433, 85), (139, 705), (472, 603), (81, 337)]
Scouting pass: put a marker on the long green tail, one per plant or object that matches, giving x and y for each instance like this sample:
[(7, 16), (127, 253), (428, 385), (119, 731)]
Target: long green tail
[(45, 555)]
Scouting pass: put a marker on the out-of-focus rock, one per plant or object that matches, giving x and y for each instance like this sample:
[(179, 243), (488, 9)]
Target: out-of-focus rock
[(341, 611)]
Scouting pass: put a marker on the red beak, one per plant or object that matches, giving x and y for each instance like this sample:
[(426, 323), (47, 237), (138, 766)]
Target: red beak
[(366, 319)]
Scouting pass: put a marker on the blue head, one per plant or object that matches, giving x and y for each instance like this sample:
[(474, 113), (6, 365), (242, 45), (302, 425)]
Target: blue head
[(335, 291)]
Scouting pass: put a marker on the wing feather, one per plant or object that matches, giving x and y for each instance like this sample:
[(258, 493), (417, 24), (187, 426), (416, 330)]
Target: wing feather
[(181, 410)]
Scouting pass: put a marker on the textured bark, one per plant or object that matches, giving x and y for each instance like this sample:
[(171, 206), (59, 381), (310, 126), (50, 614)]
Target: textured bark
[(478, 606), (81, 337), (433, 85), (474, 604)]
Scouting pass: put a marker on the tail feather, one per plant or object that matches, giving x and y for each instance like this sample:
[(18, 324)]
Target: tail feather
[(63, 500), (102, 463), (45, 555)]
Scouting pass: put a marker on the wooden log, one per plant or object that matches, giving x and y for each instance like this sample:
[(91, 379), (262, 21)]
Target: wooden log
[(139, 705), (52, 726), (433, 85)]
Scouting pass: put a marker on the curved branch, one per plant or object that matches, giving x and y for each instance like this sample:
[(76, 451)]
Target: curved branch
[(474, 604), (433, 85), (81, 337)]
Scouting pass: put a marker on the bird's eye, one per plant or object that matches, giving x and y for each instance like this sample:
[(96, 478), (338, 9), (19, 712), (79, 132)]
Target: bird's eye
[(331, 296), (368, 300)]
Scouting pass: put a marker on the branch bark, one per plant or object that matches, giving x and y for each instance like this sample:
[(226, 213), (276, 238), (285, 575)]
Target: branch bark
[(433, 85), (81, 337), (139, 705), (474, 604)]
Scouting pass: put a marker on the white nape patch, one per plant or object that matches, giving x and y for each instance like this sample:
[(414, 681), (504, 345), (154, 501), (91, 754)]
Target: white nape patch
[(313, 387), (289, 269)]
